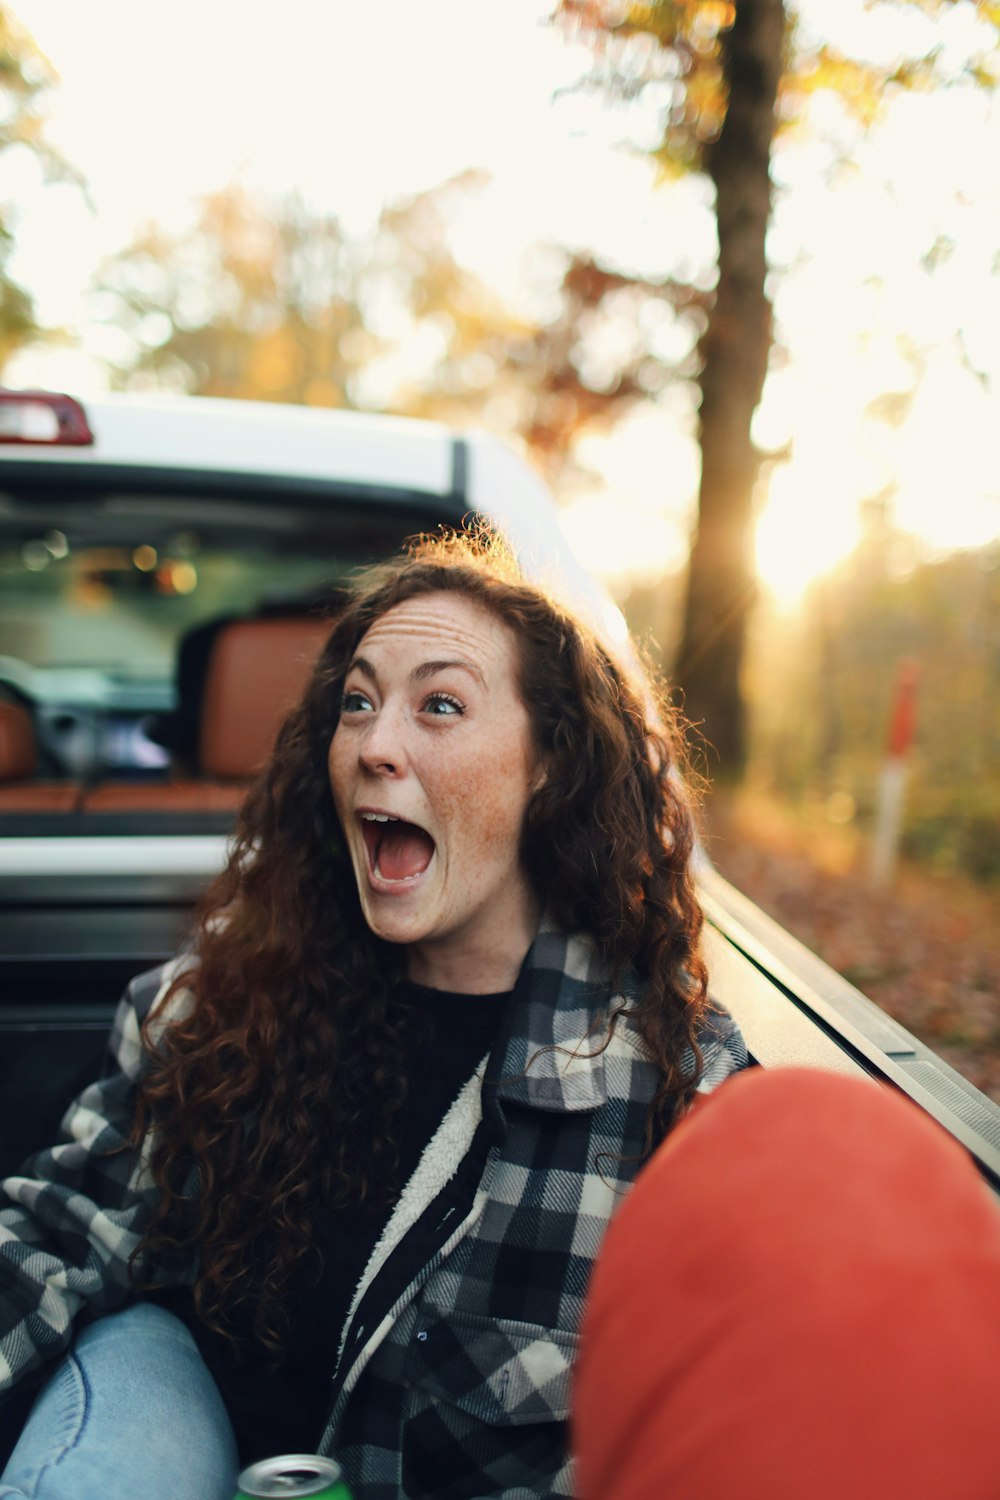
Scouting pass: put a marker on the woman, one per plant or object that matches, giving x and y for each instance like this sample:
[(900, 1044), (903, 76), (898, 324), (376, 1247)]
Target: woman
[(442, 1003)]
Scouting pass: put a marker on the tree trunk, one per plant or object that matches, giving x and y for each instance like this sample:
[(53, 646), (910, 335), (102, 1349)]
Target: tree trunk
[(721, 581)]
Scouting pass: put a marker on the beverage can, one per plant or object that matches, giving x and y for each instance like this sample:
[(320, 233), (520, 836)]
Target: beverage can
[(291, 1475)]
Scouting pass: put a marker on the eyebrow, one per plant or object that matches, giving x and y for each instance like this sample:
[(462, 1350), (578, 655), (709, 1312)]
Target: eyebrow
[(421, 673)]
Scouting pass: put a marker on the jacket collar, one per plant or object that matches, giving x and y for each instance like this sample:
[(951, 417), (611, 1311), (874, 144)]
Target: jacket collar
[(548, 1057)]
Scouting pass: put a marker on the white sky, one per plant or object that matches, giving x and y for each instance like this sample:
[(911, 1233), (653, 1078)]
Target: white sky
[(356, 105)]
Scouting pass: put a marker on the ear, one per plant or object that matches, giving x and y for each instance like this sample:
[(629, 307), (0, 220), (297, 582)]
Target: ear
[(541, 775)]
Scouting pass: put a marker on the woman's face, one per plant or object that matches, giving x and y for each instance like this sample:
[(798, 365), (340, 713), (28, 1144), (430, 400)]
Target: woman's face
[(432, 766)]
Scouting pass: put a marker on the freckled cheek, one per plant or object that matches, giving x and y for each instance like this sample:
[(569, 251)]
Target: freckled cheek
[(484, 817)]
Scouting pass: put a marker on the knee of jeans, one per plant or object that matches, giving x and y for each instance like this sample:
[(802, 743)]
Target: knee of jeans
[(143, 1319)]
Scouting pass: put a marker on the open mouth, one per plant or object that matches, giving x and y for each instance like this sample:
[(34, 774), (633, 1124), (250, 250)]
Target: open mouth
[(397, 850)]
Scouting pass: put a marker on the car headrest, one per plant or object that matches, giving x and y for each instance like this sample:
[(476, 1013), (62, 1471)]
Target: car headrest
[(18, 751), (257, 672)]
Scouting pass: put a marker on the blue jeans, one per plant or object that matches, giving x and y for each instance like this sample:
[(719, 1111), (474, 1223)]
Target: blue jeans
[(131, 1413)]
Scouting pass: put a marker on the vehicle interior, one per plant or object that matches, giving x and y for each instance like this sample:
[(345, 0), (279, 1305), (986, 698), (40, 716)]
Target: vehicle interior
[(152, 639)]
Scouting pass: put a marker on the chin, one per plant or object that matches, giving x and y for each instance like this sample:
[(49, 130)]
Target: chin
[(395, 927)]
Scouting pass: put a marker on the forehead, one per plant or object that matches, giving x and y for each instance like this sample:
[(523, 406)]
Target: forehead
[(445, 627)]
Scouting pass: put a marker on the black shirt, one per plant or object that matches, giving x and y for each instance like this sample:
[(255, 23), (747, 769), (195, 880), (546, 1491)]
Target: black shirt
[(284, 1411)]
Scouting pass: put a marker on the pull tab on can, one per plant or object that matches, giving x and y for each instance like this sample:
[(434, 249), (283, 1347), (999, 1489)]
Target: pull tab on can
[(293, 1475)]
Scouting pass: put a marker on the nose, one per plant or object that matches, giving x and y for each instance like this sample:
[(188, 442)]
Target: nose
[(381, 751)]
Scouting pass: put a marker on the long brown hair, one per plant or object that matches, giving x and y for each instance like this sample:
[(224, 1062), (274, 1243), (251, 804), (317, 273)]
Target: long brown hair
[(272, 1098)]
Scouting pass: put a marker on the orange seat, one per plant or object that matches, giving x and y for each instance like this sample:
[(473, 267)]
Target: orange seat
[(165, 796), (19, 791), (257, 673)]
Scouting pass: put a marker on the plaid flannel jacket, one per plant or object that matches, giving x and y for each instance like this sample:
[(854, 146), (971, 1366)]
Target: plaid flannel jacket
[(452, 1376)]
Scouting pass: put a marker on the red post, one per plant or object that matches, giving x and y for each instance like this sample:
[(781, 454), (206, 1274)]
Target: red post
[(903, 724)]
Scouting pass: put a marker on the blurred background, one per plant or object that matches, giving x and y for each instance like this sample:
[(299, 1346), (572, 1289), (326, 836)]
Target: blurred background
[(728, 273)]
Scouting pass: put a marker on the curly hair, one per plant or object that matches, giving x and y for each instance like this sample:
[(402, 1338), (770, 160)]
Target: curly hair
[(272, 1098)]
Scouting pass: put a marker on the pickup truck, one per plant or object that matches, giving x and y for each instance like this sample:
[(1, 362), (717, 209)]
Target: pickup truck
[(165, 569)]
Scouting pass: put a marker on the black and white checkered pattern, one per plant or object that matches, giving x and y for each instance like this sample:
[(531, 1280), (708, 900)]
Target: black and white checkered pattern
[(452, 1379), (70, 1221)]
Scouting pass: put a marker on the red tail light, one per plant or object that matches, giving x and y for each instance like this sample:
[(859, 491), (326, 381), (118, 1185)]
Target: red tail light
[(43, 417)]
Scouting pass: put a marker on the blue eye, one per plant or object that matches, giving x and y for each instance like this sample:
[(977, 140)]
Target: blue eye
[(442, 706), (354, 702)]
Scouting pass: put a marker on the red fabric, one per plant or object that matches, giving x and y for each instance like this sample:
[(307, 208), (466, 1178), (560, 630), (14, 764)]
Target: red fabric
[(800, 1297)]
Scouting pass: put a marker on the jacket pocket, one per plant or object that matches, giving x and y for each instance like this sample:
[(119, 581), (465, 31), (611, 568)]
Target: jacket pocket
[(493, 1369), (488, 1402)]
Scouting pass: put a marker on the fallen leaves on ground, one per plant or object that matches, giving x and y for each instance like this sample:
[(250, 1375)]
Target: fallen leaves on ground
[(927, 949)]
